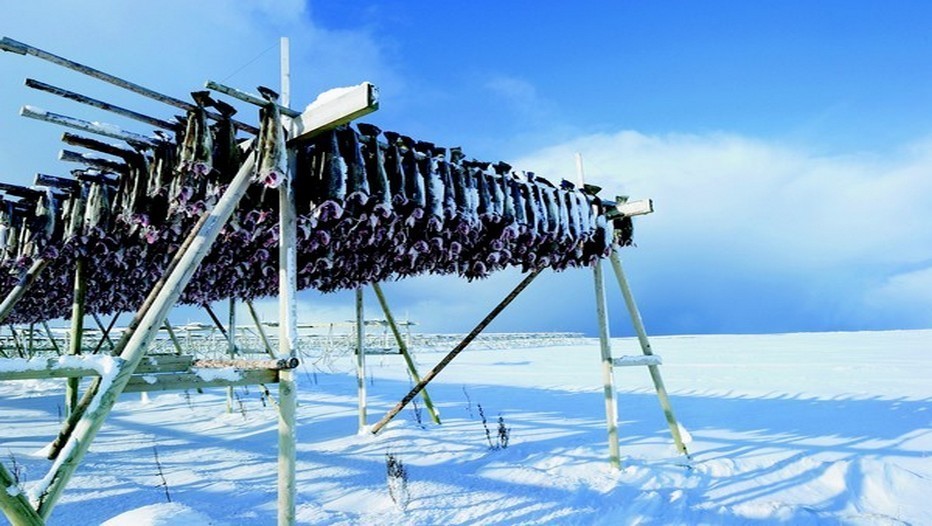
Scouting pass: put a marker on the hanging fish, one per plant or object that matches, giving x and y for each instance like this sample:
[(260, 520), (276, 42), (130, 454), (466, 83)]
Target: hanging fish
[(227, 155), (395, 170), (414, 180), (272, 164), (433, 190), (375, 169), (357, 184)]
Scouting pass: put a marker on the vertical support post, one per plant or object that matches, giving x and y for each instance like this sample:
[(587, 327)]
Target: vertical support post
[(608, 377), (646, 349), (403, 347), (231, 347), (361, 358), (605, 346), (30, 346), (288, 314), (76, 335)]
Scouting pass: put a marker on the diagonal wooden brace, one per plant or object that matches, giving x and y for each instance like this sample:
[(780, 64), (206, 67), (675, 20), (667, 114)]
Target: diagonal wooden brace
[(456, 350)]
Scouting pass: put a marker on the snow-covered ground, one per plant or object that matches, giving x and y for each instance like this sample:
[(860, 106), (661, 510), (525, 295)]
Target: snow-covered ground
[(786, 429)]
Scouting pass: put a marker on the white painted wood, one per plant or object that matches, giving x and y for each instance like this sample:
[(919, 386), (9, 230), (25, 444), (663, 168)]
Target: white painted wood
[(288, 314), (635, 208), (351, 104), (630, 361)]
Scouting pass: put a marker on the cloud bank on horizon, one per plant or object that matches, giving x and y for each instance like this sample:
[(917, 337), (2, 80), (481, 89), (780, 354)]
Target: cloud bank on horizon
[(777, 208)]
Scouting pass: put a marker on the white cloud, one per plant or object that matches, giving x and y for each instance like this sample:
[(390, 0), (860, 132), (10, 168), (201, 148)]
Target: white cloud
[(764, 203)]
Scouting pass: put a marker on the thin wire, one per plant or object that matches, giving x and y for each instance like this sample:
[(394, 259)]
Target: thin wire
[(246, 65)]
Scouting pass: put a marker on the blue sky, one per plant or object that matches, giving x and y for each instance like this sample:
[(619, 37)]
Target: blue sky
[(786, 145)]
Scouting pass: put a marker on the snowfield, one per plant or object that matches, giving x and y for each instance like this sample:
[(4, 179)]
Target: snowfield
[(831, 428)]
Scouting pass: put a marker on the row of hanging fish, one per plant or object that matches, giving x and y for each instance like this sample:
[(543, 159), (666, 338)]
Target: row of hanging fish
[(371, 206)]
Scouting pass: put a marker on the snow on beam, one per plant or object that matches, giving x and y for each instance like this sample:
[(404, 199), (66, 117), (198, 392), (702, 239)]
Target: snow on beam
[(630, 361), (335, 107), (200, 379), (635, 208), (58, 367)]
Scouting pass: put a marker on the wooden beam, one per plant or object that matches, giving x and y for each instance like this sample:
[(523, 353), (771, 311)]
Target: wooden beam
[(288, 315), (260, 329), (14, 503), (635, 208), (248, 97), (632, 361), (198, 379), (608, 377), (106, 130), (76, 332), (403, 350), (456, 350), (26, 282), (87, 159), (8, 44), (39, 369), (106, 106), (340, 108)]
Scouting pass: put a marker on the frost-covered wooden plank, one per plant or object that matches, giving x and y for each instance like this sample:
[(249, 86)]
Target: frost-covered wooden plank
[(631, 361), (106, 106), (273, 365), (164, 363), (200, 379), (107, 130), (59, 367), (335, 107), (635, 208)]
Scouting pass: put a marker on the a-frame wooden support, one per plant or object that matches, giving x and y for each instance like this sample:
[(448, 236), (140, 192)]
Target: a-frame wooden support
[(91, 412)]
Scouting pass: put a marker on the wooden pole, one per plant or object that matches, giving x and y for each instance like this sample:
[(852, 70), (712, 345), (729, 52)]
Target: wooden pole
[(76, 334), (608, 377), (172, 337), (605, 347), (288, 317), (106, 130), (403, 348), (48, 333), (25, 283), (14, 503), (248, 97), (50, 489), (13, 46), (361, 358), (646, 349), (262, 335), (456, 350), (106, 106), (105, 337), (231, 347), (104, 332)]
